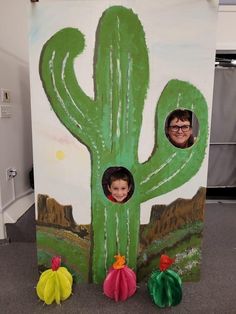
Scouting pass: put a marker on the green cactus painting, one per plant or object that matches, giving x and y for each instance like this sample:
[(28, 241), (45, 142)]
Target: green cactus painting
[(109, 125)]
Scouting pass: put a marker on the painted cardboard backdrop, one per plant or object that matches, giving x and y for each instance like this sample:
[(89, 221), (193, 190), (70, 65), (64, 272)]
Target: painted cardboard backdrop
[(104, 77)]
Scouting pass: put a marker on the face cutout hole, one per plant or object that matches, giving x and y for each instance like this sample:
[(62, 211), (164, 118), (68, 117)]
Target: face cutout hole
[(118, 184), (181, 128)]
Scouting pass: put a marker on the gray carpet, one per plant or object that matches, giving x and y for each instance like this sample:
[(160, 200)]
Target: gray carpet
[(215, 293)]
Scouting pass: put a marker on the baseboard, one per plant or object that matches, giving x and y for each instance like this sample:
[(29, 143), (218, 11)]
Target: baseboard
[(24, 230), (4, 242), (15, 210)]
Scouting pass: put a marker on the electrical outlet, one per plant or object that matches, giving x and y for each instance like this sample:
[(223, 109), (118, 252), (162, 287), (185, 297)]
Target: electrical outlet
[(5, 95), (11, 173)]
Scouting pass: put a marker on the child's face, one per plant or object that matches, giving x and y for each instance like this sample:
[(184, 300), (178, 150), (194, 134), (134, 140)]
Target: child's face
[(119, 189)]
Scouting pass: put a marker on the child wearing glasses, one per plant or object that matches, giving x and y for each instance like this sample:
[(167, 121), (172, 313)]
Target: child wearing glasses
[(179, 128)]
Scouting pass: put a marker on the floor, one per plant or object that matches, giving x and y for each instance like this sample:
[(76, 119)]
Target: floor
[(214, 293)]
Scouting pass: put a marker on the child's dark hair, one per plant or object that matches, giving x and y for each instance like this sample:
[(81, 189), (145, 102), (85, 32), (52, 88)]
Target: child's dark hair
[(119, 174)]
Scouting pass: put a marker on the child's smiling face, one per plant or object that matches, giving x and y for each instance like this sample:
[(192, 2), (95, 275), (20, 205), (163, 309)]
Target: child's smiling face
[(119, 190)]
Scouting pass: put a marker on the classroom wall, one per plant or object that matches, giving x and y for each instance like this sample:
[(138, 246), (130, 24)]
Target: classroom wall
[(15, 131), (226, 39), (16, 196)]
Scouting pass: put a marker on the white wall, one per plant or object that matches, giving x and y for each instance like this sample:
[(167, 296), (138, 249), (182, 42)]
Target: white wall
[(16, 195), (15, 132), (226, 39)]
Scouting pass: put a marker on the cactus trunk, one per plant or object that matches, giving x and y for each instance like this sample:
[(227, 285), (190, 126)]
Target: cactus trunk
[(115, 227)]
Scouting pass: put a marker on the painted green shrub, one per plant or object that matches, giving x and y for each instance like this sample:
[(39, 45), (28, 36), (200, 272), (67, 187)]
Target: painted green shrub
[(109, 125)]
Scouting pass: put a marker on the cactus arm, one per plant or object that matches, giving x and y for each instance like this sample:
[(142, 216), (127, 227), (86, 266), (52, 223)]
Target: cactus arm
[(169, 167), (72, 106), (121, 76)]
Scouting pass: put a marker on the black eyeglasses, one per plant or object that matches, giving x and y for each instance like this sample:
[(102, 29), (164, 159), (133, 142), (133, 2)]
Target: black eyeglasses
[(176, 128)]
